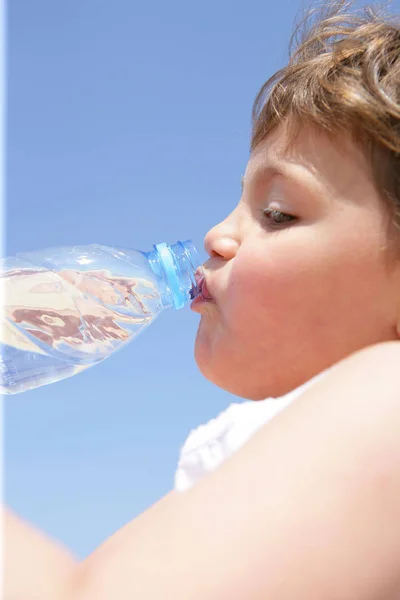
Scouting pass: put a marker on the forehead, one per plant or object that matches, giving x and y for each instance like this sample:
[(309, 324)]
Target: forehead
[(336, 162)]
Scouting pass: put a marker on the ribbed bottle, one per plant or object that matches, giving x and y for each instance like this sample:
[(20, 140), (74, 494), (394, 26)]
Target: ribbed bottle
[(66, 309)]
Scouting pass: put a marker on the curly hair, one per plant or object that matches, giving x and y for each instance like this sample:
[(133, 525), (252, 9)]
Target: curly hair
[(343, 76)]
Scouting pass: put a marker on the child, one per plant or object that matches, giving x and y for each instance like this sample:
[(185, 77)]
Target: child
[(301, 302)]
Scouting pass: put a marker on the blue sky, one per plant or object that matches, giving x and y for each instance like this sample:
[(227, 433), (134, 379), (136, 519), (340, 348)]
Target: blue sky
[(128, 124)]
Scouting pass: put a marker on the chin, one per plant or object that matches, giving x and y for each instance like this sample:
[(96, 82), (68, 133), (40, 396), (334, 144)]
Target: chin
[(229, 377), (243, 375), (242, 381), (233, 385)]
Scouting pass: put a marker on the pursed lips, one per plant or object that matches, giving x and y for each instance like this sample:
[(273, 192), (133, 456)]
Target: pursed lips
[(204, 289), (204, 294)]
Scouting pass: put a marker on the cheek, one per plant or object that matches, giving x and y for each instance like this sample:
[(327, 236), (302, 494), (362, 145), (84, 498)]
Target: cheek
[(263, 288), (302, 287)]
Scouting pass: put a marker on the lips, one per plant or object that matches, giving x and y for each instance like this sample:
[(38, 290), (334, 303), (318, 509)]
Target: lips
[(203, 288), (204, 294)]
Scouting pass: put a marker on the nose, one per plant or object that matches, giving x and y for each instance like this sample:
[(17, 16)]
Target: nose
[(222, 240)]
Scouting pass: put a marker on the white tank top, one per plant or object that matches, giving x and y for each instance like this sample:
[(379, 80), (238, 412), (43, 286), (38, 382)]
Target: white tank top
[(209, 445)]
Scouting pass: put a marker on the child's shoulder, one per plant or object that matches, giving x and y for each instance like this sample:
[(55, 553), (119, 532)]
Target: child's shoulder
[(366, 381), (388, 354), (357, 402), (372, 373)]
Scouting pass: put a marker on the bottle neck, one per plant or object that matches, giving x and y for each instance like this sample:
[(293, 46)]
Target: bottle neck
[(176, 266)]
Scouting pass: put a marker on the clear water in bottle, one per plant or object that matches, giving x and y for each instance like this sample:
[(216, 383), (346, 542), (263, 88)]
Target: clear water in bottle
[(67, 309)]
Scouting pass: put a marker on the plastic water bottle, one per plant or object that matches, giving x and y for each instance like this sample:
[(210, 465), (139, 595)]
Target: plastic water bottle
[(66, 309)]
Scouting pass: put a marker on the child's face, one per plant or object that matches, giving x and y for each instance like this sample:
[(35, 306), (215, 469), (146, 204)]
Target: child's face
[(294, 298)]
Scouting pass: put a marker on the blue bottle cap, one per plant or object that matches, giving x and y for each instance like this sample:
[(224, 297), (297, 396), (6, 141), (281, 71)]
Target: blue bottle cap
[(168, 264)]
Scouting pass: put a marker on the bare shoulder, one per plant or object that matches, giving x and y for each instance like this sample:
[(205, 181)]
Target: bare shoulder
[(356, 405), (34, 566), (366, 384), (309, 507), (379, 360)]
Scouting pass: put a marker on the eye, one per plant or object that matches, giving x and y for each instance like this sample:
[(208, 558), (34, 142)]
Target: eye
[(276, 217)]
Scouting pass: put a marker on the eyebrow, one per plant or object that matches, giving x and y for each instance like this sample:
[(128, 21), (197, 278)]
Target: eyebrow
[(267, 172), (291, 171)]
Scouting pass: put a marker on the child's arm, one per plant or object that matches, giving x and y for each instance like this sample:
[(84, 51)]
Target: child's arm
[(34, 566), (308, 508)]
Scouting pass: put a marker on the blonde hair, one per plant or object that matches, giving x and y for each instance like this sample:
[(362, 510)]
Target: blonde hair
[(343, 75)]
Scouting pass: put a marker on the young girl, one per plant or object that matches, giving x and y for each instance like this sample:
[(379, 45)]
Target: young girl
[(301, 303)]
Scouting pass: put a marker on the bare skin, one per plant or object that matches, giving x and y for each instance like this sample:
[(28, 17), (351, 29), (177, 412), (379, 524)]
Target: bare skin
[(327, 512), (291, 298), (310, 506), (34, 566)]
